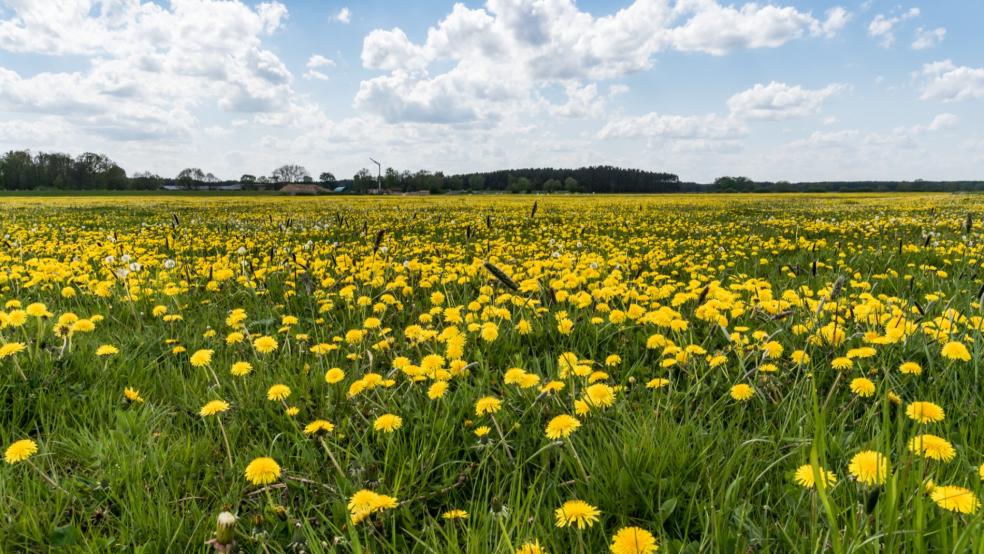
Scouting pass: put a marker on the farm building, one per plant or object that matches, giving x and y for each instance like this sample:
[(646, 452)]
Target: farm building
[(296, 189)]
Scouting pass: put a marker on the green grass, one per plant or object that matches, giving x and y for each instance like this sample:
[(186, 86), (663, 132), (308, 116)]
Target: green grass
[(699, 470)]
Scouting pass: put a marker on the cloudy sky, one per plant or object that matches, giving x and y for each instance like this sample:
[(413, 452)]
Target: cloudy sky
[(795, 89)]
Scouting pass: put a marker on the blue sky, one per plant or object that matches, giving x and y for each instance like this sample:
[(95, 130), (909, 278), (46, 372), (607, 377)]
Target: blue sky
[(794, 90)]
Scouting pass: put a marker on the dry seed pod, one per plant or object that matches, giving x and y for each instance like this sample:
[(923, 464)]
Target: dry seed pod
[(501, 276)]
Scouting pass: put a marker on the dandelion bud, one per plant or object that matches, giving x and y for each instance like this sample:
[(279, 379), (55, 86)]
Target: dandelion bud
[(225, 528), (498, 509), (225, 533)]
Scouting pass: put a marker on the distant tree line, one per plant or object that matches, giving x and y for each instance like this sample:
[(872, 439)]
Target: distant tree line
[(22, 170), (19, 170), (599, 179), (744, 184), (585, 179)]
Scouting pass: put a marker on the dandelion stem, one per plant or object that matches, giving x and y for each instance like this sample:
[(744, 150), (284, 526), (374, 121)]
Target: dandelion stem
[(225, 440), (19, 370), (502, 439), (37, 339), (580, 466), (214, 376), (47, 478), (331, 456)]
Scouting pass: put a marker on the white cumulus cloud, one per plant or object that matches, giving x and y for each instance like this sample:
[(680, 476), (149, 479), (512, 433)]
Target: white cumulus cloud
[(882, 27), (943, 121), (683, 127), (717, 29), (946, 81), (151, 68), (928, 38), (314, 66), (479, 64), (781, 101)]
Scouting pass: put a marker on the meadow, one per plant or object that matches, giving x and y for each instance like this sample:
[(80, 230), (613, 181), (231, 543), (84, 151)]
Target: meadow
[(738, 373)]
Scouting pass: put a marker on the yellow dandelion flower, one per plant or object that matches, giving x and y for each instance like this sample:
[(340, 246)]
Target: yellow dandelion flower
[(20, 451), (214, 407), (318, 426), (599, 395), (633, 540), (262, 471), (528, 381), (17, 318), (565, 326), (513, 376), (388, 423), (241, 369), (869, 467), (334, 375), (530, 547), (552, 387), (366, 502), (910, 368), (133, 395), (437, 390), (925, 412), (523, 327), (265, 344), (11, 348), (581, 407), (799, 357), (107, 350), (278, 392), (863, 387), (576, 513), (742, 392), (804, 476), (657, 383), (38, 310), (954, 350), (932, 447), (955, 499), (562, 426), (201, 358), (772, 349), (487, 405)]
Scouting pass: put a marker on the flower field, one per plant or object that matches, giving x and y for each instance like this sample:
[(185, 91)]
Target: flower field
[(785, 373)]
